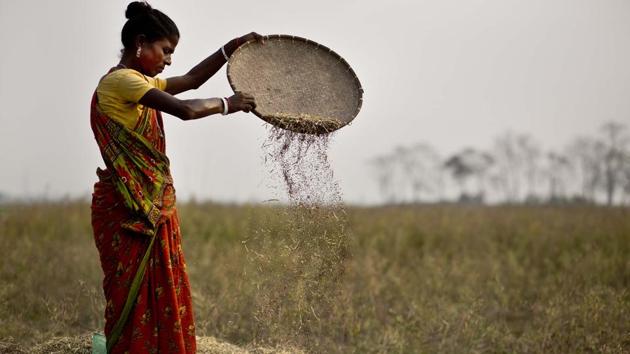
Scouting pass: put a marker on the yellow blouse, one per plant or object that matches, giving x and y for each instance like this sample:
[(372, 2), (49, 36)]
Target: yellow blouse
[(119, 92)]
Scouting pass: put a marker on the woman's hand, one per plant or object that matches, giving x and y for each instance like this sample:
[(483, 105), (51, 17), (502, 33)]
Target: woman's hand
[(231, 46), (251, 36), (241, 102)]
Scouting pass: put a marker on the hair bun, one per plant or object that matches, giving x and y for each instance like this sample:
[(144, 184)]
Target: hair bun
[(137, 8)]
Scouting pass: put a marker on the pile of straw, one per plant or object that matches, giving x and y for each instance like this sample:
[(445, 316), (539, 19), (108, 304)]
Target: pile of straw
[(83, 345)]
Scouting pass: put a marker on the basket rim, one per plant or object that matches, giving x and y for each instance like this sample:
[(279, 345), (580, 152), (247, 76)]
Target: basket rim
[(284, 37)]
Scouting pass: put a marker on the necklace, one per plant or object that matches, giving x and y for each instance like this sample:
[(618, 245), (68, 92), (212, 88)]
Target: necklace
[(122, 66)]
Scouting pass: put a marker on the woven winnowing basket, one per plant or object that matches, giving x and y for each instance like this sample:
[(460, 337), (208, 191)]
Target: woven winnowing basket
[(295, 77)]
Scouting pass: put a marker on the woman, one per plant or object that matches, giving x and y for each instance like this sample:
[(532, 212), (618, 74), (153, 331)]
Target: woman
[(136, 227)]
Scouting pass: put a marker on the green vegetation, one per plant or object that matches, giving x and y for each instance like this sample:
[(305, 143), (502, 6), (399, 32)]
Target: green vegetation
[(430, 279)]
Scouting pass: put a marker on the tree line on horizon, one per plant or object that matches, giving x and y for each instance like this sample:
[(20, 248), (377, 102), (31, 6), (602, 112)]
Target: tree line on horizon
[(515, 169)]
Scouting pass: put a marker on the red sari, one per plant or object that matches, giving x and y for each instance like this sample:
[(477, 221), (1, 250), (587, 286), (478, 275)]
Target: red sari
[(133, 201)]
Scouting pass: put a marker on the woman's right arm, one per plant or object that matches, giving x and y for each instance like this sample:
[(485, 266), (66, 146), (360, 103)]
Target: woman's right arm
[(195, 108)]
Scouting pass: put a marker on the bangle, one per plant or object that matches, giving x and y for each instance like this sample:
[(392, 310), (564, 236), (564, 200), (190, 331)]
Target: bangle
[(225, 106), (224, 55)]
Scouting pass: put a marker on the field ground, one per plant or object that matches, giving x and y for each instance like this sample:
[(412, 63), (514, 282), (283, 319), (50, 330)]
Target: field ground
[(426, 279)]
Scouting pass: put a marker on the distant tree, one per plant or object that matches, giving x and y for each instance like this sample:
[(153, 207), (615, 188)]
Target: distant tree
[(587, 155), (460, 171), (468, 164), (408, 174), (530, 153), (402, 174), (558, 171), (626, 179), (481, 162), (383, 169), (509, 164), (615, 141), (421, 164)]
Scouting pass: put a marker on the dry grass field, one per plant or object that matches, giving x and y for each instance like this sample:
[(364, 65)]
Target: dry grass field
[(425, 279)]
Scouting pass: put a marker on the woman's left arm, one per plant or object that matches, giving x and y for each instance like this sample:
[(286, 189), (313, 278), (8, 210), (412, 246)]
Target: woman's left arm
[(198, 75)]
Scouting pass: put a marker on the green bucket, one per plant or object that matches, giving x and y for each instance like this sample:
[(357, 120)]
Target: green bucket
[(99, 343)]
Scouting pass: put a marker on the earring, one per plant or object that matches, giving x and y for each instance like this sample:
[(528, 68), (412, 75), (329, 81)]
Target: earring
[(138, 52)]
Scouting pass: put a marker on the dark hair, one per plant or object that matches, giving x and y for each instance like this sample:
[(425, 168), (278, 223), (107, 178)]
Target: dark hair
[(145, 20)]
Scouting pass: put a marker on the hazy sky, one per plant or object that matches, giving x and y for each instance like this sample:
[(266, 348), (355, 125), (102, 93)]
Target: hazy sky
[(448, 73)]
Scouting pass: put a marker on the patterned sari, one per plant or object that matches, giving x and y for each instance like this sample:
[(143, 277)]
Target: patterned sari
[(133, 201)]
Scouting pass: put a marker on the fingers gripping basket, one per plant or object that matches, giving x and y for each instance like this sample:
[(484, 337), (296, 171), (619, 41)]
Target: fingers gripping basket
[(298, 84)]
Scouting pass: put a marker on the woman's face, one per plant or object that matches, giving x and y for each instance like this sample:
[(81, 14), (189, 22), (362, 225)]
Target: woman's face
[(156, 55)]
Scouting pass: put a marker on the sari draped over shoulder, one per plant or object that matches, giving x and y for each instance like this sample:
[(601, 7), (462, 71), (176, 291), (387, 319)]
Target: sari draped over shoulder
[(138, 164), (133, 199)]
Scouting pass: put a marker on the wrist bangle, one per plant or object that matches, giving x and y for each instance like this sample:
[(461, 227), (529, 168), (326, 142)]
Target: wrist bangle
[(224, 55), (225, 106)]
